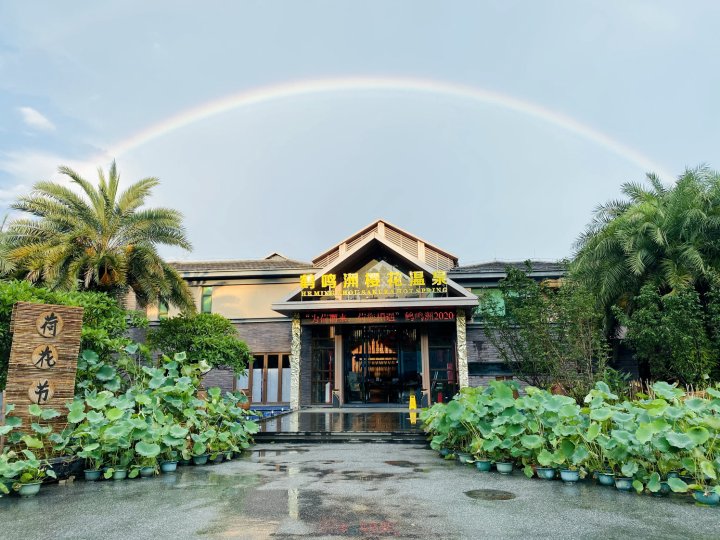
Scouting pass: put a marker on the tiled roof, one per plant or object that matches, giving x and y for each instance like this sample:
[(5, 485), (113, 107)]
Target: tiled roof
[(501, 266), (240, 265)]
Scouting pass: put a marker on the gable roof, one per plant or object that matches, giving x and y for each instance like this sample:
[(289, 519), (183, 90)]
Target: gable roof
[(293, 302), (413, 245)]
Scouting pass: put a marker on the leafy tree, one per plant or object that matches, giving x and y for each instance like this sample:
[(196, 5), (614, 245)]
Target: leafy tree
[(548, 336), (105, 323), (102, 241), (204, 336), (673, 334), (668, 237)]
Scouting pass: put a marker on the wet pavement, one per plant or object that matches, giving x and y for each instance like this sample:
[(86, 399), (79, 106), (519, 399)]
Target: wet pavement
[(346, 491), (323, 420)]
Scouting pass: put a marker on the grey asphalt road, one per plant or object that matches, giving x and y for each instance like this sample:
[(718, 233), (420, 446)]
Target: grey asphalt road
[(346, 491)]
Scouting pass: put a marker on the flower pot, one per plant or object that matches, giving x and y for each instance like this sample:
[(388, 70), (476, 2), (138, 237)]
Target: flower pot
[(546, 473), (120, 474), (568, 476), (463, 457), (218, 459), (147, 472), (92, 474), (673, 474), (708, 499), (664, 490), (185, 462), (30, 490), (8, 484), (200, 460), (483, 465), (444, 451), (168, 466), (504, 467), (623, 483), (606, 478)]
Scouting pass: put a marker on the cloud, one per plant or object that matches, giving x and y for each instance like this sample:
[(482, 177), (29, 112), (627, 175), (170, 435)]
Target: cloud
[(35, 119)]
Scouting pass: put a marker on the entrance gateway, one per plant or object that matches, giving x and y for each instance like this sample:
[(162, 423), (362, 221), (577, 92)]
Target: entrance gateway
[(381, 321)]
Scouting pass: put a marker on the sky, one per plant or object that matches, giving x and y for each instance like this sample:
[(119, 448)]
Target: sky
[(490, 129)]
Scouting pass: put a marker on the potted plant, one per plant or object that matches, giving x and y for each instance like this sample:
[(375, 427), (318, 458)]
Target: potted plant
[(481, 453), (31, 473), (93, 461), (199, 448), (169, 461), (172, 440)]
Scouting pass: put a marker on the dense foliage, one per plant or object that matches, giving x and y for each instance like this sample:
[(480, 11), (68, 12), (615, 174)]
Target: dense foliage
[(105, 323), (204, 336), (102, 241), (665, 437), (156, 415), (663, 236), (674, 335), (548, 336)]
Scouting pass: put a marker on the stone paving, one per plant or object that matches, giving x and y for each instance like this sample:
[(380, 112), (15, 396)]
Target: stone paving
[(322, 491)]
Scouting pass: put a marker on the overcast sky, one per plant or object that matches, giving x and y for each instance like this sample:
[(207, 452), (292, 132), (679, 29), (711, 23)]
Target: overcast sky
[(561, 102)]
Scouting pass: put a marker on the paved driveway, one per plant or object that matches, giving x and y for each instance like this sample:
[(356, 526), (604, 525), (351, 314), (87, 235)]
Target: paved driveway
[(346, 490)]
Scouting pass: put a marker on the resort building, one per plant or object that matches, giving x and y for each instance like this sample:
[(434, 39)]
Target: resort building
[(376, 318)]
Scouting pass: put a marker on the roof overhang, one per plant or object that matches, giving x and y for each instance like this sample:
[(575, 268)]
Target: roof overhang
[(462, 297)]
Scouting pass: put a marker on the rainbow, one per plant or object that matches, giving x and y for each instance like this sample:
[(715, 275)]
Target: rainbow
[(290, 90)]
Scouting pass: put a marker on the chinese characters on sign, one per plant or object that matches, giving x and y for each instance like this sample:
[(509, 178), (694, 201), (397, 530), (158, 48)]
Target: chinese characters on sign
[(41, 391), (43, 357), (374, 284), (49, 325), (367, 317)]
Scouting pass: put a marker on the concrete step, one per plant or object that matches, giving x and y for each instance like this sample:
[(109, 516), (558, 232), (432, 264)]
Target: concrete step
[(402, 437)]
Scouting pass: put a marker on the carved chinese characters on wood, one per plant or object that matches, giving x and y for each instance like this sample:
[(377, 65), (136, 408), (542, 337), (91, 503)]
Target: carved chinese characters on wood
[(43, 358)]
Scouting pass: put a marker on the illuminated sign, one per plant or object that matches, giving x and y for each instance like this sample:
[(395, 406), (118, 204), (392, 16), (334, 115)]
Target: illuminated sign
[(371, 317), (373, 284)]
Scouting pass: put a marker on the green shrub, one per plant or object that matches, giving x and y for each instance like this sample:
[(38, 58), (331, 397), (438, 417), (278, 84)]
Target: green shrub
[(105, 323), (160, 416), (644, 439), (205, 336)]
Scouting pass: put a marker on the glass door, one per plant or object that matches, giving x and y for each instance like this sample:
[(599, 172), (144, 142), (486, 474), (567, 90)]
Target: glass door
[(381, 364), (443, 366), (322, 372)]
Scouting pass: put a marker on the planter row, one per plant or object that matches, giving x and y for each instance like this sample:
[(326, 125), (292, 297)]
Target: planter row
[(71, 467), (572, 476)]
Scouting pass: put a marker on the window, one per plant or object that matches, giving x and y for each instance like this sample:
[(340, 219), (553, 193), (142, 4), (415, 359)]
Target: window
[(490, 300), (206, 300), (162, 310), (267, 379), (489, 369)]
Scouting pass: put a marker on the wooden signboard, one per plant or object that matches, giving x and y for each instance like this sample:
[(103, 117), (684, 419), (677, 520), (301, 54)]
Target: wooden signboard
[(43, 359)]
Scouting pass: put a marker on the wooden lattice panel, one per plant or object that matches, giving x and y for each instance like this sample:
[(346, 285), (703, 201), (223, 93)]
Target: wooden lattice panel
[(43, 359)]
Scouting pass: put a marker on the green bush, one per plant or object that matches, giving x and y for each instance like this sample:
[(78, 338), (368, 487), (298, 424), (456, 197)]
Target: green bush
[(105, 323), (159, 416), (645, 439), (205, 336)]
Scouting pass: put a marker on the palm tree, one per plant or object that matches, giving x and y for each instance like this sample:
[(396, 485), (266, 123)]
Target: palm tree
[(103, 241), (6, 266), (666, 236)]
